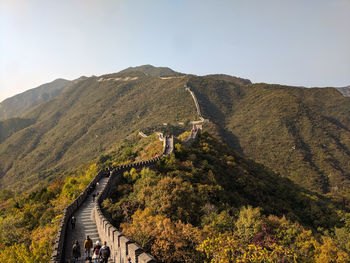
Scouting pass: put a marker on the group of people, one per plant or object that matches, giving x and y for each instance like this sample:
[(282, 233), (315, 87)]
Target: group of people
[(97, 253), (93, 253)]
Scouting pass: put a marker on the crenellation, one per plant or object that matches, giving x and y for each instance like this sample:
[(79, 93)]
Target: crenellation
[(116, 237), (134, 251), (123, 244), (108, 227), (146, 258)]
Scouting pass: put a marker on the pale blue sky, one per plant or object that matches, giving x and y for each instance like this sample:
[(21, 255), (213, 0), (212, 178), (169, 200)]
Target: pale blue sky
[(295, 42)]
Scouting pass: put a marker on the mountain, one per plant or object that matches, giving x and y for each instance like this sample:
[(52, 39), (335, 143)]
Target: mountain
[(153, 71), (87, 119), (13, 125), (201, 194), (278, 192), (19, 104), (229, 78), (205, 191), (298, 132), (345, 91)]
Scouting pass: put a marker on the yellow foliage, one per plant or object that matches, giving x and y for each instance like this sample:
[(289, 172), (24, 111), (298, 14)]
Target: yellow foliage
[(38, 253), (153, 149), (329, 253), (184, 135), (226, 248), (169, 241)]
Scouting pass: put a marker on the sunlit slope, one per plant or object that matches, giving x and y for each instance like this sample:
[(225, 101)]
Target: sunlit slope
[(300, 133), (88, 119)]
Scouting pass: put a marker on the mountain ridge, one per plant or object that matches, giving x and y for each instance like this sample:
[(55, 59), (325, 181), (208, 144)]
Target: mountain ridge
[(20, 103), (294, 131), (152, 71), (266, 122), (84, 120)]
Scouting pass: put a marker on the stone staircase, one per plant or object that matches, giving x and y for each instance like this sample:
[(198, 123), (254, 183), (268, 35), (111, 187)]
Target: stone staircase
[(85, 226), (91, 221)]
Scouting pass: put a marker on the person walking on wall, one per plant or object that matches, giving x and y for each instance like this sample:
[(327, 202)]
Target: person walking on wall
[(76, 251), (87, 246), (96, 252), (129, 260), (72, 221), (105, 253)]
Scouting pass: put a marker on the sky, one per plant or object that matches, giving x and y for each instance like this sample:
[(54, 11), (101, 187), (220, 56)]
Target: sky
[(293, 42)]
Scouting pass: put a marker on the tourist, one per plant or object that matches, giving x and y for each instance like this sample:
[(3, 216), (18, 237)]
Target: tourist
[(105, 253), (72, 221), (96, 252), (88, 246), (76, 251)]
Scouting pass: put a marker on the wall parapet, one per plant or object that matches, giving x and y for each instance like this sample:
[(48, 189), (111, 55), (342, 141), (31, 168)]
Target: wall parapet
[(121, 247), (201, 118), (58, 246)]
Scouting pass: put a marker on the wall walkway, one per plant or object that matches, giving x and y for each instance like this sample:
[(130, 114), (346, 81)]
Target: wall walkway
[(91, 221)]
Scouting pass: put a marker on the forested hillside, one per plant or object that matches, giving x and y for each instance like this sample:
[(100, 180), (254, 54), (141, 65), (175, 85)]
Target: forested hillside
[(282, 194), (209, 204), (86, 119), (29, 221), (300, 133), (12, 125)]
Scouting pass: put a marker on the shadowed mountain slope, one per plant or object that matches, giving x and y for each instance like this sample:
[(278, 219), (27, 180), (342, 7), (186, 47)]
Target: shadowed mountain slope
[(11, 126), (298, 132), (21, 103), (86, 120)]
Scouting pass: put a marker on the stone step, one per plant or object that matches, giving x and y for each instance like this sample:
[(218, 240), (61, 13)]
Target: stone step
[(85, 225)]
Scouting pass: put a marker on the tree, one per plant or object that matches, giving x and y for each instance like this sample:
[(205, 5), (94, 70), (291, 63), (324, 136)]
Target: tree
[(174, 198), (168, 241), (248, 223), (329, 253)]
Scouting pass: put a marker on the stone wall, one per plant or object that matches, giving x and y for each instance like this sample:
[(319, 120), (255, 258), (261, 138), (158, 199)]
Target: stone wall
[(193, 136), (58, 246), (121, 246), (197, 107)]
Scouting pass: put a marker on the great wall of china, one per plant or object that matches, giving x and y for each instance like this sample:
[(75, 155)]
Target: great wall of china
[(121, 247)]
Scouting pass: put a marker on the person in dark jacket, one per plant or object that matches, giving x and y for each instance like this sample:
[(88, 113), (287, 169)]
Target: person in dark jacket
[(105, 253), (72, 221), (76, 251)]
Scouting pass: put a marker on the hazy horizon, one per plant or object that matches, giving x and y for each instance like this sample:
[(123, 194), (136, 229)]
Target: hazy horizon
[(293, 43)]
